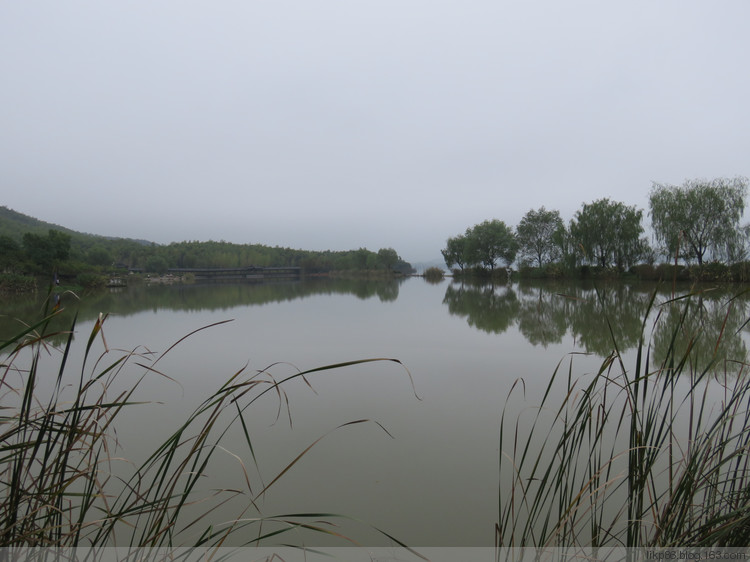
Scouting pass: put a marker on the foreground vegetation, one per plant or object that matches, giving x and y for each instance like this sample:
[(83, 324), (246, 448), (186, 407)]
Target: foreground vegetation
[(61, 476), (654, 453)]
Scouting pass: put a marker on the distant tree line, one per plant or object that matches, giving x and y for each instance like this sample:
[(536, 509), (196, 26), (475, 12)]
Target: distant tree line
[(695, 223), (74, 254)]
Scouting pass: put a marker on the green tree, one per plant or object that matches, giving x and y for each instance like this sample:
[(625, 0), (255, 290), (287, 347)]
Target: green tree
[(699, 217), (157, 264), (403, 267), (47, 252), (609, 233), (491, 241), (455, 252), (99, 255), (10, 254), (388, 257), (360, 258), (536, 235), (565, 244), (737, 249)]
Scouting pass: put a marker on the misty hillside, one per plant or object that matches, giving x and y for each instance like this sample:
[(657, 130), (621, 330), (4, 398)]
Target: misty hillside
[(89, 250), (14, 225)]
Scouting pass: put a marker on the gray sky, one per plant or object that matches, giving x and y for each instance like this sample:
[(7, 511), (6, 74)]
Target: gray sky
[(336, 124)]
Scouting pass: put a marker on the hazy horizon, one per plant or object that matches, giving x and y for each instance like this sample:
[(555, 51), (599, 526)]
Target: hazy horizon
[(145, 240), (341, 125)]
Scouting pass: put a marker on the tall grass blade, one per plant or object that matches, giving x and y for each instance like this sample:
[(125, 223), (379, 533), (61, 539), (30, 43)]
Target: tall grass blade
[(649, 437), (58, 487)]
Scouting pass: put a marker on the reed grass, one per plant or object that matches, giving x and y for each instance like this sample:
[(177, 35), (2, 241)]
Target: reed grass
[(61, 476), (635, 454)]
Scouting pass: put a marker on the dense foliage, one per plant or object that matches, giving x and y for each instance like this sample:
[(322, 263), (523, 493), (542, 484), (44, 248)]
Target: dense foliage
[(698, 220), (701, 218), (491, 241), (539, 234), (33, 247), (609, 233)]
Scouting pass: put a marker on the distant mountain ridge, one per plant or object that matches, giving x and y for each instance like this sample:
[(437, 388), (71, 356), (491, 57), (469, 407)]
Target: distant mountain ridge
[(14, 225)]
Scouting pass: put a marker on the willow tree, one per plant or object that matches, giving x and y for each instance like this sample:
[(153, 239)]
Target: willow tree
[(609, 233), (699, 216), (388, 257), (538, 233)]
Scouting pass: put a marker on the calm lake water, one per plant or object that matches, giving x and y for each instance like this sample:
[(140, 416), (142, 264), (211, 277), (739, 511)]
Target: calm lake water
[(434, 480)]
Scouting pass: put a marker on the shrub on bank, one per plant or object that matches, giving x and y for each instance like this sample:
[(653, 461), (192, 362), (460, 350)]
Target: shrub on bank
[(434, 274), (661, 272), (713, 271), (530, 272), (548, 271), (91, 281), (707, 272), (499, 274), (740, 272), (14, 283), (598, 272), (644, 272)]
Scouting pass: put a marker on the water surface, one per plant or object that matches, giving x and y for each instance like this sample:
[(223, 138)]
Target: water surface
[(432, 478)]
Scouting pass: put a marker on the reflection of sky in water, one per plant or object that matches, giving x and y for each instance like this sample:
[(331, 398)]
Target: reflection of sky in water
[(443, 459)]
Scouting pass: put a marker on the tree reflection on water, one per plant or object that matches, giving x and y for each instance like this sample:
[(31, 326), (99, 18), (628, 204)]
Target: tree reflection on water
[(600, 317)]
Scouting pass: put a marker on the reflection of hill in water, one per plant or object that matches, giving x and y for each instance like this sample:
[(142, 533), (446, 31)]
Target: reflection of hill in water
[(188, 297), (598, 316), (544, 312)]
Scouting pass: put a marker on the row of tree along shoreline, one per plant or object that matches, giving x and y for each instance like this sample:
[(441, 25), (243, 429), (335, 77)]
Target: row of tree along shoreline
[(696, 236), (32, 253)]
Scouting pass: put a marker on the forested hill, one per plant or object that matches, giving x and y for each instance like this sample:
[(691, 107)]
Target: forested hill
[(29, 245), (14, 225)]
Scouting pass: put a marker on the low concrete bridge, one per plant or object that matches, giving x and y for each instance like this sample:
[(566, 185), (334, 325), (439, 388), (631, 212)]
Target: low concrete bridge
[(203, 273)]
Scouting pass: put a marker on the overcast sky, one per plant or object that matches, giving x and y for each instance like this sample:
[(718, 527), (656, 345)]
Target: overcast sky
[(337, 124)]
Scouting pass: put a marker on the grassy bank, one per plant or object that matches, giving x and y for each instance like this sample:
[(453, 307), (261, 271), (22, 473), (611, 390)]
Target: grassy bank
[(14, 284)]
